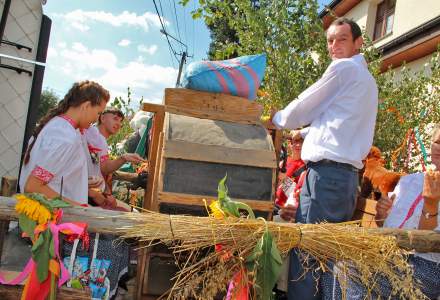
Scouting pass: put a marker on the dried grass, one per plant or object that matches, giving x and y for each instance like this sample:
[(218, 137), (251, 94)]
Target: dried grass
[(204, 273)]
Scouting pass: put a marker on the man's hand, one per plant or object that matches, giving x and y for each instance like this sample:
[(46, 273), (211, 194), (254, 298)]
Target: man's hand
[(288, 213), (383, 208), (133, 158)]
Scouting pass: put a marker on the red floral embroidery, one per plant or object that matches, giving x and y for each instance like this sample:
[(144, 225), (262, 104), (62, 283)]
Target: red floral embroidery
[(42, 174), (104, 158), (70, 120), (93, 149)]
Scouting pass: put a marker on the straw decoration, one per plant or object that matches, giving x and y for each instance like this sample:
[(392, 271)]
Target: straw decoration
[(205, 272)]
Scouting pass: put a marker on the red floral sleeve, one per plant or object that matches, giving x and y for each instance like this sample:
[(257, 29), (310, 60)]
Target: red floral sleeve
[(42, 174)]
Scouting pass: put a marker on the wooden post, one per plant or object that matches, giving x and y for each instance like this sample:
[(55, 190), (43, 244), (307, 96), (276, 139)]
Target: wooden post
[(158, 120), (8, 188)]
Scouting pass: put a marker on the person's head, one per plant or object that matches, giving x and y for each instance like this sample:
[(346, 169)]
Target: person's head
[(87, 98), (111, 120), (295, 146), (344, 38), (435, 146)]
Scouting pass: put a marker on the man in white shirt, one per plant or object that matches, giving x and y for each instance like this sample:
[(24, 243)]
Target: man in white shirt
[(341, 110)]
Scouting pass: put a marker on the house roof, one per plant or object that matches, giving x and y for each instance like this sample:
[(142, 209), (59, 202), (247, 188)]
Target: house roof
[(339, 7)]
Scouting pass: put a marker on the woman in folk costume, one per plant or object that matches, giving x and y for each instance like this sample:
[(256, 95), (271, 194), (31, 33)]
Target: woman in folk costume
[(414, 204), (55, 154), (55, 159)]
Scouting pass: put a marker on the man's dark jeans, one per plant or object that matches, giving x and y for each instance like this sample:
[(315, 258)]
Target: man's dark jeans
[(329, 194)]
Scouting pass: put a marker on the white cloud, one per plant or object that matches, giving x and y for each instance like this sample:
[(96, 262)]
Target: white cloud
[(124, 43), (52, 52), (79, 19), (149, 80), (149, 50)]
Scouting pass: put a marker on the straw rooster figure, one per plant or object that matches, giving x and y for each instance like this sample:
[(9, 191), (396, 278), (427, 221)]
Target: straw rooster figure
[(376, 177)]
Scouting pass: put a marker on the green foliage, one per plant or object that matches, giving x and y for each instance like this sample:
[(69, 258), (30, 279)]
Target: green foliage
[(228, 206), (289, 32), (265, 261), (48, 100), (407, 100)]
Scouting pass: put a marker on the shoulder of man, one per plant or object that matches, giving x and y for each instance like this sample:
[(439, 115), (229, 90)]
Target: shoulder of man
[(343, 63)]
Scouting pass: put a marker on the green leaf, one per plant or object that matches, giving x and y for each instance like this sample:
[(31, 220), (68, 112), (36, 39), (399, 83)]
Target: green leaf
[(26, 225), (58, 203), (40, 254), (265, 261)]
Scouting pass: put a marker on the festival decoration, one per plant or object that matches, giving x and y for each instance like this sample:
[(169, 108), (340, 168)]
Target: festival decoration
[(241, 256), (39, 219)]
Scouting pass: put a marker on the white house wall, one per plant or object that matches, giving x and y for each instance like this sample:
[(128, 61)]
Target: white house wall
[(23, 27)]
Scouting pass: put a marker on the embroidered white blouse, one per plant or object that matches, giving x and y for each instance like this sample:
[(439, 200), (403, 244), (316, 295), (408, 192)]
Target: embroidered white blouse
[(341, 109), (96, 149), (407, 191), (57, 153)]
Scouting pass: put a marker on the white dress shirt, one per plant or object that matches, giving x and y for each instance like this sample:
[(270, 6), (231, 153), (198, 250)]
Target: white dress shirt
[(407, 191), (341, 108)]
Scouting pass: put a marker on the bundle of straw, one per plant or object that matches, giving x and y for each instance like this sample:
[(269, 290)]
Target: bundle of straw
[(204, 273)]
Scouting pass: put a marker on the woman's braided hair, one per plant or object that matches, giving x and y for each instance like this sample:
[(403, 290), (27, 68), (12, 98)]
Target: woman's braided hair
[(79, 93)]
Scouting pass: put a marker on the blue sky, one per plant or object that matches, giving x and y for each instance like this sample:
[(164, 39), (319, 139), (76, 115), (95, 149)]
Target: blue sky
[(119, 44)]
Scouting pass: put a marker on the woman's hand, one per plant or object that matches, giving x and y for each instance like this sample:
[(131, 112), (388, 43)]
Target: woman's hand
[(97, 196), (383, 208), (288, 213), (431, 189)]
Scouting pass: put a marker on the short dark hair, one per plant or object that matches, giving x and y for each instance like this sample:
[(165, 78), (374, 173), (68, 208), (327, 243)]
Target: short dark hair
[(112, 110), (355, 29)]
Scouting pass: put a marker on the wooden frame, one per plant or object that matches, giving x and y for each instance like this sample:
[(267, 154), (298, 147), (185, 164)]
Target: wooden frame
[(212, 106)]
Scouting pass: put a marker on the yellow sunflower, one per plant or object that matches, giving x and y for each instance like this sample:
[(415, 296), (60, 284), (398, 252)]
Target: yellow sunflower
[(32, 209), (216, 210)]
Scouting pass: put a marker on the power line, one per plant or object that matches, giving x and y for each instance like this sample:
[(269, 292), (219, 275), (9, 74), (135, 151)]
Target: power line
[(177, 20), (163, 28)]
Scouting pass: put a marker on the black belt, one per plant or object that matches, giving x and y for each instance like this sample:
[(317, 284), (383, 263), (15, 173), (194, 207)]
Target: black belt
[(328, 162)]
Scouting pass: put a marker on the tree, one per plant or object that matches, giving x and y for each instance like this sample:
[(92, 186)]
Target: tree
[(288, 31), (48, 100)]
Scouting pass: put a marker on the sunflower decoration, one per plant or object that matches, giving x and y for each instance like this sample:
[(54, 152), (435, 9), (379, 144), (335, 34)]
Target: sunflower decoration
[(37, 218), (226, 207), (32, 209)]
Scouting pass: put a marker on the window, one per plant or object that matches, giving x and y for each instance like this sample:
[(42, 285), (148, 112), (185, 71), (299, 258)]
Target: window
[(384, 18)]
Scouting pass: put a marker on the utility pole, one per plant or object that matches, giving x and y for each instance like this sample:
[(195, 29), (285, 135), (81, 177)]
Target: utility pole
[(182, 61), (184, 55)]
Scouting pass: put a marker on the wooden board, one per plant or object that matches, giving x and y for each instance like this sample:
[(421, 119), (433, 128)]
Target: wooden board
[(158, 121), (366, 211), (13, 292), (106, 221), (219, 154), (212, 106), (198, 200)]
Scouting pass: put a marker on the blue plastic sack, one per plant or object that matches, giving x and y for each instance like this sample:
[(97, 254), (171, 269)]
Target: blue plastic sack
[(239, 76)]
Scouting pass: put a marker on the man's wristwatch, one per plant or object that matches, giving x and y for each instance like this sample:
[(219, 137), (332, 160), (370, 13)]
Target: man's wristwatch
[(428, 215)]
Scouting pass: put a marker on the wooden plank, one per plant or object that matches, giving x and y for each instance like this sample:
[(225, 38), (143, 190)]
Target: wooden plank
[(158, 121), (189, 199), (219, 154), (13, 292), (105, 221), (158, 175), (8, 186), (212, 106)]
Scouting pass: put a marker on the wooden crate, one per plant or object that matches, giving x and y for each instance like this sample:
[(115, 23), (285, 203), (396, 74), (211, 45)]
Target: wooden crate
[(185, 168), (199, 137)]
